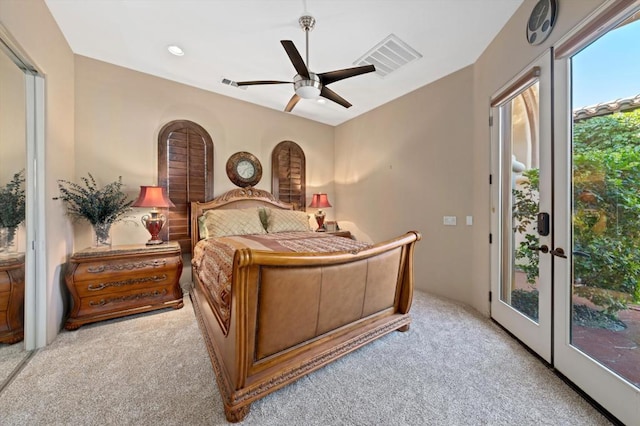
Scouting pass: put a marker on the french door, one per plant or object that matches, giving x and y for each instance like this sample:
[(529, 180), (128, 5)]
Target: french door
[(521, 206), (597, 215), (566, 209)]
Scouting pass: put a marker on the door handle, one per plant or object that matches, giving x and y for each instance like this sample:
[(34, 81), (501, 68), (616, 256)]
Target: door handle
[(543, 248), (559, 252)]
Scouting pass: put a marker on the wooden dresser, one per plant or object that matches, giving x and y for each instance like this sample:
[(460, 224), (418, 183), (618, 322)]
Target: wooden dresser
[(123, 280), (11, 297)]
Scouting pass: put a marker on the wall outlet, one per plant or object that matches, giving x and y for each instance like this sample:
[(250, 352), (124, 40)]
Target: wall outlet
[(469, 220), (449, 220)]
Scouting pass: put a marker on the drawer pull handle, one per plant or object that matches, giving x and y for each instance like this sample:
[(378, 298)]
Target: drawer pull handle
[(132, 281), (154, 293), (126, 266)]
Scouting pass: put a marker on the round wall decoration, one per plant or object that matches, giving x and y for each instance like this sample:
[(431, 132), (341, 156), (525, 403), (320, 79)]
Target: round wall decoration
[(244, 169), (541, 21)]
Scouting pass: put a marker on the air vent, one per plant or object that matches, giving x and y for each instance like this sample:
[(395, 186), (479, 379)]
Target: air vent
[(389, 55), (232, 83)]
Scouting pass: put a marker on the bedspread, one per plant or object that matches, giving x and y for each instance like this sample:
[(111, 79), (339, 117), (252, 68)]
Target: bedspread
[(213, 259)]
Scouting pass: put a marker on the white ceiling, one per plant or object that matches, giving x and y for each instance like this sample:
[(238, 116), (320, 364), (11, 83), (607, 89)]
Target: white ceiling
[(240, 40)]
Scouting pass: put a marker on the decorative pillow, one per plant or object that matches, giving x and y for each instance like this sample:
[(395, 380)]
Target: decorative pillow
[(287, 221), (264, 217), (221, 223), (202, 229)]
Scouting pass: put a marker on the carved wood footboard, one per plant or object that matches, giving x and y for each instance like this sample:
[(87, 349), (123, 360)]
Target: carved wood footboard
[(292, 313)]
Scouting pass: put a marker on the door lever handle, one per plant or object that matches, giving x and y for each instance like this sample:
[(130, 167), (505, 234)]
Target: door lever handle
[(559, 252), (543, 248)]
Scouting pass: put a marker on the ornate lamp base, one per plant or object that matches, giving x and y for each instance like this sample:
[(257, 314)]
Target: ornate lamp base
[(154, 224), (320, 221)]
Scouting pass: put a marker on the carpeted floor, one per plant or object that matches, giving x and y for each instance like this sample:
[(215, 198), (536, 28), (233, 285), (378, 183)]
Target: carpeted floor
[(453, 367), (11, 356)]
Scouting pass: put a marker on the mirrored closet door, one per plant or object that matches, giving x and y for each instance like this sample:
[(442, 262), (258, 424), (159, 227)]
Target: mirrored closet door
[(14, 255)]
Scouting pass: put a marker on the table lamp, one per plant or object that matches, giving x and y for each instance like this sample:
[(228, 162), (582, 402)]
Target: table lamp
[(320, 201), (154, 197)]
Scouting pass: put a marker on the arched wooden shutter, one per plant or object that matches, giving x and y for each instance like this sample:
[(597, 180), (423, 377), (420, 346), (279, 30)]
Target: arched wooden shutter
[(288, 166), (185, 169)]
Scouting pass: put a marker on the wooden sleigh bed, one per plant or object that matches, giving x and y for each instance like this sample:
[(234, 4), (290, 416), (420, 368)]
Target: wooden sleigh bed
[(283, 314)]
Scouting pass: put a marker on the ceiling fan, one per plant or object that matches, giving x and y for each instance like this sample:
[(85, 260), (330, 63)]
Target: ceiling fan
[(308, 85)]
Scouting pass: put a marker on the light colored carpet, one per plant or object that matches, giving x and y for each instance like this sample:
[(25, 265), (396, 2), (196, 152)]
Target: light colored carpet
[(453, 367), (11, 356)]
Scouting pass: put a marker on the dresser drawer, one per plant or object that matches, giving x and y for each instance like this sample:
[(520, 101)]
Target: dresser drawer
[(4, 323), (117, 269), (130, 282), (5, 282), (121, 301), (4, 301)]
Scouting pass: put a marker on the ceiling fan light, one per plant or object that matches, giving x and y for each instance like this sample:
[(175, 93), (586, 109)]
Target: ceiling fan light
[(307, 88), (308, 92)]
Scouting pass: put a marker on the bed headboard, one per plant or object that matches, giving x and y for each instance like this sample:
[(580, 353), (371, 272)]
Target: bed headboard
[(239, 198)]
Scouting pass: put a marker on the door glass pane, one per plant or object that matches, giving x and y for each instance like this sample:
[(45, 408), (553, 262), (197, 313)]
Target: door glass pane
[(520, 183), (606, 201)]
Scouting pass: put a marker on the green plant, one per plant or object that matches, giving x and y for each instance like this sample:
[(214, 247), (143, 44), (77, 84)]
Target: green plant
[(606, 224), (524, 211), (104, 205), (606, 212), (12, 202), (526, 302)]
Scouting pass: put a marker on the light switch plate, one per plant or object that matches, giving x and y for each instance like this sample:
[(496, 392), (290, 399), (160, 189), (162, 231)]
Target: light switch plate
[(449, 220)]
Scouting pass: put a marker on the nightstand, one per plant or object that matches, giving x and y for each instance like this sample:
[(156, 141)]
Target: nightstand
[(123, 280), (11, 297)]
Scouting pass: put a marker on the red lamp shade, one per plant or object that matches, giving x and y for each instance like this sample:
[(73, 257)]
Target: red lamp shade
[(154, 197), (320, 201)]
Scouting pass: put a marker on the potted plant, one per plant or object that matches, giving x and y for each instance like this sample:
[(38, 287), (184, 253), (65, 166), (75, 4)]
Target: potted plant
[(101, 207), (12, 209)]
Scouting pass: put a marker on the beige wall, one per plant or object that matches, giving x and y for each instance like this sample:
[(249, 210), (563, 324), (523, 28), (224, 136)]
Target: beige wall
[(34, 29), (405, 165), (119, 113), (12, 120)]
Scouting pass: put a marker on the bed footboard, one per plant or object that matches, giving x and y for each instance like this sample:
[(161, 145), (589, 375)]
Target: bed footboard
[(292, 313)]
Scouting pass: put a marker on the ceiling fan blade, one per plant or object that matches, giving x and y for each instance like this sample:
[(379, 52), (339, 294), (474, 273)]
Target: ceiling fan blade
[(292, 102), (333, 76), (295, 58), (252, 83), (333, 96)]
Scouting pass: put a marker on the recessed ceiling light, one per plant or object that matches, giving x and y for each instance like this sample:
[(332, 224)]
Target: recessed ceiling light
[(175, 50)]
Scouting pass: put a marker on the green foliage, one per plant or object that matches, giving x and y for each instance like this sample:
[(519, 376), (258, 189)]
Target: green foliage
[(525, 209), (606, 176), (96, 205), (606, 211), (526, 302), (608, 132), (12, 202)]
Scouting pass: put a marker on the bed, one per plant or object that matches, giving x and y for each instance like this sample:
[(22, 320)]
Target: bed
[(276, 306)]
